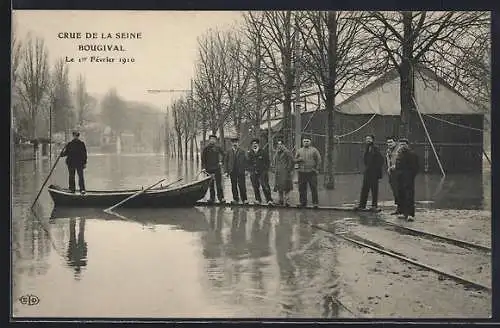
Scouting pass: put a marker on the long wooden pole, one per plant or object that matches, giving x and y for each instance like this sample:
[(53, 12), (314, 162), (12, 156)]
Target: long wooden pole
[(109, 209), (429, 138), (47, 178)]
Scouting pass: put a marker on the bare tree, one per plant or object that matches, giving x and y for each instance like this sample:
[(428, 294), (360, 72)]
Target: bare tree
[(112, 111), (16, 58), (84, 101), (34, 81), (179, 114), (407, 37), (60, 98), (277, 34), (210, 79), (340, 58)]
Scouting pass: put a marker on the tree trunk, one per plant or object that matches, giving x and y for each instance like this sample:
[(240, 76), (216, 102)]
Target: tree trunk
[(287, 111), (172, 154), (330, 100), (197, 148), (191, 148), (222, 138), (186, 141), (407, 89), (179, 146)]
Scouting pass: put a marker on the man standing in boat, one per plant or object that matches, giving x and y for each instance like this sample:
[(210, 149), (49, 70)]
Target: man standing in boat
[(212, 157), (235, 165), (76, 160), (258, 165)]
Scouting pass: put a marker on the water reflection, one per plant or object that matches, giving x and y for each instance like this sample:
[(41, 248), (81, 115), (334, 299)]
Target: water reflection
[(270, 260), (77, 247)]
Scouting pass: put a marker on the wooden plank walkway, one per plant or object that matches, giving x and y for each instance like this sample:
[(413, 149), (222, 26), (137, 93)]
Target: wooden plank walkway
[(265, 205)]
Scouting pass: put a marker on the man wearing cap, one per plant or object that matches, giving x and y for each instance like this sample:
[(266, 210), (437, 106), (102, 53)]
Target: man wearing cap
[(235, 164), (374, 162), (309, 160), (407, 166), (76, 160), (258, 165), (212, 157)]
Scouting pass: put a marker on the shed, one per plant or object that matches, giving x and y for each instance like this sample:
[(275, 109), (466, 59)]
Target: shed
[(454, 124)]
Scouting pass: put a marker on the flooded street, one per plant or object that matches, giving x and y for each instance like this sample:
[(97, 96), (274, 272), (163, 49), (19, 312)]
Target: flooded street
[(226, 262)]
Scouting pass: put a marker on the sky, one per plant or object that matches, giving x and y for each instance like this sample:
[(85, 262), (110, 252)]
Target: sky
[(164, 57)]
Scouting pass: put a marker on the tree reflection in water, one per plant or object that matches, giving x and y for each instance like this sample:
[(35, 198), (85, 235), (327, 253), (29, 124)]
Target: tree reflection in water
[(77, 247)]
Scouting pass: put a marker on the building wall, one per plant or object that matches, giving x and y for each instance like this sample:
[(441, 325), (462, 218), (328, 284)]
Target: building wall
[(459, 149)]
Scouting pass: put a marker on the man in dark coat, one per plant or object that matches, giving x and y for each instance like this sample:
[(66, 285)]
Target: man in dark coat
[(236, 163), (374, 162), (76, 160), (258, 165), (212, 157), (407, 166)]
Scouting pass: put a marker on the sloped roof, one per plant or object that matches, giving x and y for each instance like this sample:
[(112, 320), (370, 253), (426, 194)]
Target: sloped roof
[(432, 93)]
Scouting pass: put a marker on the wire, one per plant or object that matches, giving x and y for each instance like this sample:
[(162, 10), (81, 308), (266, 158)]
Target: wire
[(455, 124), (354, 131)]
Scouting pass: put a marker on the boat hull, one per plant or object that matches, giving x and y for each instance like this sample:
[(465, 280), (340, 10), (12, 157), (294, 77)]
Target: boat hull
[(184, 196)]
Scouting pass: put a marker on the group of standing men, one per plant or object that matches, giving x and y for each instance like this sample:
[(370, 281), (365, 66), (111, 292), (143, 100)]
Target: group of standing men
[(236, 162), (402, 168)]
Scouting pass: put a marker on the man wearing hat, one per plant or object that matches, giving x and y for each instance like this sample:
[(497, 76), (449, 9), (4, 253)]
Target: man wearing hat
[(258, 165), (374, 162), (235, 165), (76, 160), (309, 160), (212, 157), (407, 166)]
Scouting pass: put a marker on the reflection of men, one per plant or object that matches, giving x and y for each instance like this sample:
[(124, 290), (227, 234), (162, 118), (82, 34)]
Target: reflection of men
[(76, 160), (374, 162), (258, 165), (309, 160), (235, 169), (77, 247), (390, 156), (211, 161), (407, 166)]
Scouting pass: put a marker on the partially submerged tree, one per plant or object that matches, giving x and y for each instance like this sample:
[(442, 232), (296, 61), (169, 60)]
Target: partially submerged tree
[(278, 37), (112, 111), (340, 58), (34, 81), (60, 98)]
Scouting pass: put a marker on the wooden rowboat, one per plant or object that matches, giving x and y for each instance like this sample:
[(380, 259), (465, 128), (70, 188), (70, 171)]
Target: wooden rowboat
[(167, 197)]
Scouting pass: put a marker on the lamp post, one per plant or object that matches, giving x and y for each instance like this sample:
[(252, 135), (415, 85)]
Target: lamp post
[(156, 91)]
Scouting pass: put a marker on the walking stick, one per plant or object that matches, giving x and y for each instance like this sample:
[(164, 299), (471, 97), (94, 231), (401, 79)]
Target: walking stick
[(47, 179)]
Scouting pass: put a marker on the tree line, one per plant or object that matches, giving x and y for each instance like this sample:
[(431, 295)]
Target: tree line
[(273, 56), (44, 94)]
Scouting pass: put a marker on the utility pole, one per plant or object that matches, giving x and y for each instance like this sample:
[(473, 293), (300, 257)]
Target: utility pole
[(298, 121)]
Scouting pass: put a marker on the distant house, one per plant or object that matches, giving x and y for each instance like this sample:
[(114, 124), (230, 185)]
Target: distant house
[(454, 124)]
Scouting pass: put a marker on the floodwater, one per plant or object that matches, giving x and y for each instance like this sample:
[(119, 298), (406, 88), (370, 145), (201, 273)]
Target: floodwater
[(191, 262)]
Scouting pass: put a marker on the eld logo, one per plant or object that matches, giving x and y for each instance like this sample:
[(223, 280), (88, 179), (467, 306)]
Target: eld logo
[(29, 300)]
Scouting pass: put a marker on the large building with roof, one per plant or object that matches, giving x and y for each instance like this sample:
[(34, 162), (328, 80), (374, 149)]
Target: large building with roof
[(454, 125)]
